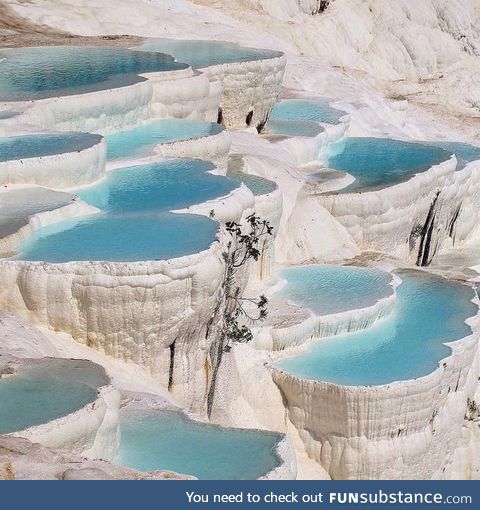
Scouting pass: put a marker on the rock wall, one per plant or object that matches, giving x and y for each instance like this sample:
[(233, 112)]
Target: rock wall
[(249, 90)]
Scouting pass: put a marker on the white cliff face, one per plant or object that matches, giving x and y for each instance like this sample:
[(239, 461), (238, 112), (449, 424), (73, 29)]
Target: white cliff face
[(115, 309), (422, 418), (412, 220), (249, 90)]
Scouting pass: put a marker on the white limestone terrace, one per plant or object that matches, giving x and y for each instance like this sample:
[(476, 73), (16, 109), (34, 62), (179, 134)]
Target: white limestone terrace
[(421, 416), (169, 138), (317, 301), (250, 78), (414, 219), (24, 210), (128, 297), (60, 404), (444, 212), (53, 160), (153, 416), (239, 92), (306, 126), (88, 94), (337, 169)]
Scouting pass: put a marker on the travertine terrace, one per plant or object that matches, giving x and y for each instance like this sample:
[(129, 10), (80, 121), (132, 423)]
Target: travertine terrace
[(264, 113)]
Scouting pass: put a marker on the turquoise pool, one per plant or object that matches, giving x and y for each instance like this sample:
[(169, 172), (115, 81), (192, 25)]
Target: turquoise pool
[(207, 53), (408, 344), (136, 223), (161, 186), (326, 289), (124, 238), (159, 439), (141, 140), (382, 162), (464, 151), (306, 112), (47, 389), (40, 72), (36, 146)]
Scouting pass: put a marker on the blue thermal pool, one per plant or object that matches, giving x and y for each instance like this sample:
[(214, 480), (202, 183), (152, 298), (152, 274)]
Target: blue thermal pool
[(257, 185), (161, 186), (301, 117), (408, 344), (40, 72), (136, 222), (207, 53), (464, 151), (381, 162), (121, 238), (36, 146), (325, 289), (158, 439), (141, 140), (47, 389)]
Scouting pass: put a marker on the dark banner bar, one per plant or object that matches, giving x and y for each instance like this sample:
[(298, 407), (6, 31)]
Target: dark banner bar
[(191, 495)]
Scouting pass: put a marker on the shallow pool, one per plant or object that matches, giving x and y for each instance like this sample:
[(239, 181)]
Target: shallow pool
[(47, 389), (381, 162), (326, 289), (158, 439), (36, 146), (122, 238), (464, 151), (141, 140), (161, 186), (408, 344), (306, 112), (207, 53), (257, 185), (136, 223), (40, 72)]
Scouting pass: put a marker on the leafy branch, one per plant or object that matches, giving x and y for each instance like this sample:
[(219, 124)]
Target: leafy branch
[(247, 243)]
